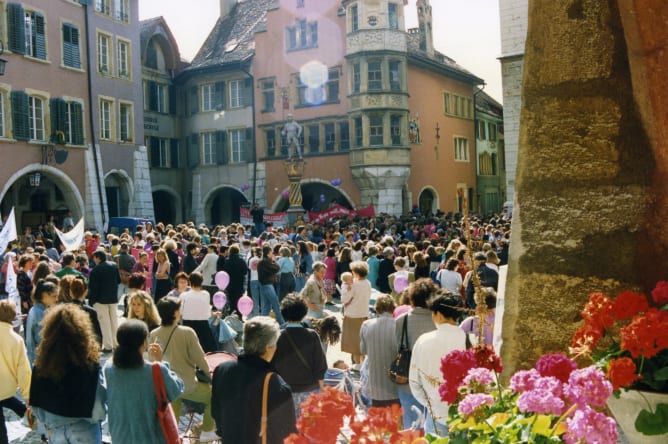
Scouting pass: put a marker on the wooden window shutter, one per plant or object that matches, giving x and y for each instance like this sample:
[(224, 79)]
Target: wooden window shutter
[(172, 100), (194, 100), (248, 90), (40, 37), (58, 108), (174, 153), (249, 146), (77, 123), (220, 95), (16, 28), (193, 151), (221, 147), (20, 115)]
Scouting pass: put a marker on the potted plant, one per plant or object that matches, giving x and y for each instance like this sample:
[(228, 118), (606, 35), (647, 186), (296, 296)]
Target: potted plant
[(627, 337)]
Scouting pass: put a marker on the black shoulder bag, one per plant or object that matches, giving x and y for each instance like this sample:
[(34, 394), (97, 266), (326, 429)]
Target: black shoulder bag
[(398, 371)]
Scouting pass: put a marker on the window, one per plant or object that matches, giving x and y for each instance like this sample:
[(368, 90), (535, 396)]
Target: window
[(270, 137), (156, 96), (268, 95), (300, 3), (2, 114), (236, 91), (485, 164), (126, 125), (457, 106), (333, 85), (102, 6), (302, 35), (35, 40), (354, 19), (208, 100), (36, 118), (123, 53), (395, 76), (344, 136), (492, 132), (374, 76), (356, 78), (209, 148), (461, 149), (329, 137), (158, 152), (376, 130), (313, 139), (122, 10), (73, 123), (446, 103), (393, 18), (395, 130), (71, 52), (103, 53), (237, 143), (359, 134), (481, 130), (106, 107), (151, 56)]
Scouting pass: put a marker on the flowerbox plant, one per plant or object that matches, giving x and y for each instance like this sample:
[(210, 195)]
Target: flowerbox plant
[(627, 337)]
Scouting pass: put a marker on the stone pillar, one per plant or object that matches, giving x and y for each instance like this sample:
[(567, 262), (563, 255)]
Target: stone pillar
[(142, 201), (584, 175), (197, 204), (294, 168), (96, 197)]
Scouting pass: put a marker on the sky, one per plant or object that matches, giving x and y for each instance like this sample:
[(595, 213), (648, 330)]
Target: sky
[(464, 30)]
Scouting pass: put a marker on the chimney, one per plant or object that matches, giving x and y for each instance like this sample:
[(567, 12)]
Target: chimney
[(226, 7), (425, 26)]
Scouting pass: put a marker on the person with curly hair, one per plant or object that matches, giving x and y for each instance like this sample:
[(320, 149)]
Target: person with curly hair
[(67, 368)]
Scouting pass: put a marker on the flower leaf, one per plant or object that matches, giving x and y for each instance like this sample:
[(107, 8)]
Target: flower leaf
[(656, 423), (661, 375), (542, 426)]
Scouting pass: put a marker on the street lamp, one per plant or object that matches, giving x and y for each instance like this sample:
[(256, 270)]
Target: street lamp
[(35, 179)]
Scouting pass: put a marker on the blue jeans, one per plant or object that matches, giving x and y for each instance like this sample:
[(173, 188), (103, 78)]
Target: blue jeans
[(255, 295), (300, 281), (435, 427), (269, 300), (408, 401), (79, 432)]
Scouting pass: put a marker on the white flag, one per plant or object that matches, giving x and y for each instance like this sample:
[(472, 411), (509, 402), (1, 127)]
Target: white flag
[(8, 232), (10, 286), (74, 238)]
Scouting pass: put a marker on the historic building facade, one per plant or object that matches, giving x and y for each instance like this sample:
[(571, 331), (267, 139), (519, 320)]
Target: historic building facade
[(490, 151)]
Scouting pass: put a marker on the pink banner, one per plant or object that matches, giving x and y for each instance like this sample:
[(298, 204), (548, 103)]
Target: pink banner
[(276, 219), (340, 211)]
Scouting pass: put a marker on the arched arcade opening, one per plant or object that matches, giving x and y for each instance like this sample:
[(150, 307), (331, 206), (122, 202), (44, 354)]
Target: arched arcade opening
[(317, 196), (222, 206)]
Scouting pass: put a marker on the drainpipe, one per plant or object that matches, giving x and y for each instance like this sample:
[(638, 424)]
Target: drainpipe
[(475, 143), (250, 76), (90, 113)]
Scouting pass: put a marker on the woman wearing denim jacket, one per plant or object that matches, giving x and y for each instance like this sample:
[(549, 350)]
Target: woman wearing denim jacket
[(46, 295)]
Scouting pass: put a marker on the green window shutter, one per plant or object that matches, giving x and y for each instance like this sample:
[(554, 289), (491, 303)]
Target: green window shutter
[(174, 153), (40, 38), (152, 96), (172, 100), (194, 100), (220, 95), (221, 147), (155, 152), (58, 108), (193, 151), (77, 123), (16, 35), (71, 53), (248, 90), (249, 146), (20, 115)]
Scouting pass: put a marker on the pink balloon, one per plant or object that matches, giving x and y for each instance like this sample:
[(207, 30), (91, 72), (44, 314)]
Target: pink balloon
[(400, 283), (222, 280), (245, 305), (219, 300)]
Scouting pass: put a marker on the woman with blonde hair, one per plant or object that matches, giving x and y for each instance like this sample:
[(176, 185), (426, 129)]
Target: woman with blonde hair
[(141, 307), (67, 368), (162, 282)]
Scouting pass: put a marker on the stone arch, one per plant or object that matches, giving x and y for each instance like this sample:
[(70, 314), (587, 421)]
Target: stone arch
[(73, 201), (312, 189), (428, 200), (166, 201), (222, 205), (120, 192)]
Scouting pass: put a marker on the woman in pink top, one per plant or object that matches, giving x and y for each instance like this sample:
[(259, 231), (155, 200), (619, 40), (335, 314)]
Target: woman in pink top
[(330, 275)]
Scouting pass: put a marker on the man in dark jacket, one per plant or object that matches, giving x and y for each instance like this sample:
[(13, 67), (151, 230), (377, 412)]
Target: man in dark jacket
[(488, 278), (103, 296), (266, 274), (189, 261), (237, 390), (385, 269), (236, 267)]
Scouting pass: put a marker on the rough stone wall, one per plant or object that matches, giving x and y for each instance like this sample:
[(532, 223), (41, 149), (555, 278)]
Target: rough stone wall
[(584, 179)]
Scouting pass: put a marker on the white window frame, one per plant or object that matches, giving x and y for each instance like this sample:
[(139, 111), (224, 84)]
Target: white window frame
[(106, 119), (208, 148), (103, 7), (376, 131), (208, 97), (122, 11), (127, 120), (36, 118), (123, 55), (104, 53), (2, 113), (163, 151), (461, 145), (236, 93), (237, 143)]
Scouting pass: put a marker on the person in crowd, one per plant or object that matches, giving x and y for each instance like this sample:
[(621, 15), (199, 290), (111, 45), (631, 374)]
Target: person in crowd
[(328, 329), (449, 278), (238, 389), (45, 296), (471, 325), (162, 281), (125, 262), (254, 284), (314, 291), (131, 398), (67, 369), (103, 296), (83, 265), (343, 262), (196, 311), (378, 343), (181, 349), (257, 213), (24, 282), (137, 281), (330, 275), (487, 275), (15, 372), (181, 284), (69, 267), (64, 293), (421, 265), (399, 271), (385, 269), (286, 272), (299, 358), (78, 293), (208, 267), (174, 260), (418, 322), (303, 265), (141, 307), (373, 262), (141, 266), (355, 310), (425, 366), (267, 272), (189, 261), (237, 269)]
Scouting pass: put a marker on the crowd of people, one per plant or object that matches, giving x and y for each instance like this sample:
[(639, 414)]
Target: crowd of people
[(386, 275)]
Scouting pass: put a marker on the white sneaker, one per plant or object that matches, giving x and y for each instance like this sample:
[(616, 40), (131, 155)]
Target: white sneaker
[(208, 436)]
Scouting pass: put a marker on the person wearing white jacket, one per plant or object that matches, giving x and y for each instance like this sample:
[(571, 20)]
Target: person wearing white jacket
[(208, 265), (355, 300)]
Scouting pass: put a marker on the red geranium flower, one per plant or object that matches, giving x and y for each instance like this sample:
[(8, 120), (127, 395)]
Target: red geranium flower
[(646, 334), (629, 304), (660, 293), (622, 373), (454, 367), (486, 358), (557, 365), (597, 311), (585, 339)]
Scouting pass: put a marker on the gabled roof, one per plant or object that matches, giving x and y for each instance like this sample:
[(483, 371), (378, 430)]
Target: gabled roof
[(437, 61), (231, 40), (149, 28), (487, 104)]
